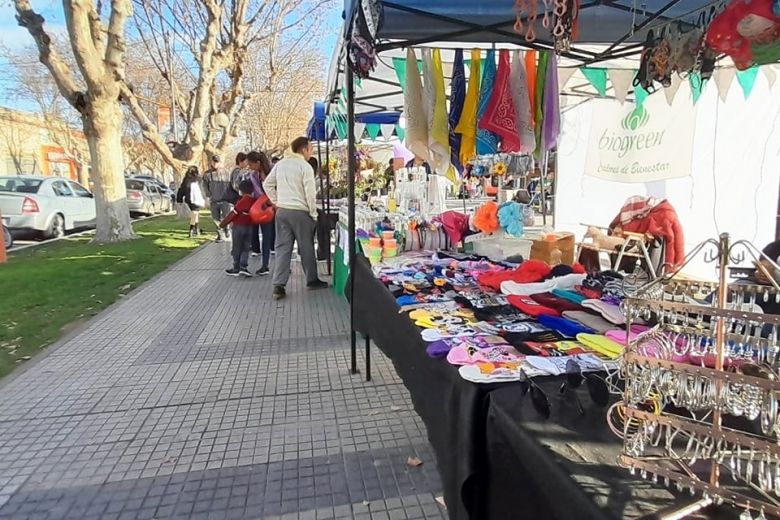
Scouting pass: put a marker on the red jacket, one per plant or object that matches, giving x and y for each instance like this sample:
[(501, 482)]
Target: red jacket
[(240, 214), (661, 222)]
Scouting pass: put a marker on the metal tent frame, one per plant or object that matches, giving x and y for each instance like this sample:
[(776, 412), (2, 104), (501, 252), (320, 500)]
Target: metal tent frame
[(614, 24)]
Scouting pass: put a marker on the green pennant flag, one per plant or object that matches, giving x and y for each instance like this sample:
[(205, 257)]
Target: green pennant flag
[(640, 94), (597, 77), (341, 128), (373, 130), (747, 79), (399, 64), (697, 85), (358, 83), (400, 132)]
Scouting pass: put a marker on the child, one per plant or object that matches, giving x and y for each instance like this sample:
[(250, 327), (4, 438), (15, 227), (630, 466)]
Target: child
[(242, 230)]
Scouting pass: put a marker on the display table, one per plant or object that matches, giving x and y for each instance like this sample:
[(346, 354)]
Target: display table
[(497, 457)]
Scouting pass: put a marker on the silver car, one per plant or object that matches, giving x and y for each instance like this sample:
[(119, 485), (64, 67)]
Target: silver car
[(46, 205), (144, 198)]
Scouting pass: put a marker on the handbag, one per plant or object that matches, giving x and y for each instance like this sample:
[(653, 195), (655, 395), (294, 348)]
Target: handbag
[(183, 211), (262, 210), (196, 195)]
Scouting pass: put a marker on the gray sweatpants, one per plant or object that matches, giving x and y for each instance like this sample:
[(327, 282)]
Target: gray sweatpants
[(294, 226), (220, 210)]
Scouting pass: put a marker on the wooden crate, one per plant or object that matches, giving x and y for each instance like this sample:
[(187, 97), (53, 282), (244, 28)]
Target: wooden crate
[(541, 249)]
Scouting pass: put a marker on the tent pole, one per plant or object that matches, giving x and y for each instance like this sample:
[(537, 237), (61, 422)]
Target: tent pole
[(327, 192), (351, 167), (542, 175)]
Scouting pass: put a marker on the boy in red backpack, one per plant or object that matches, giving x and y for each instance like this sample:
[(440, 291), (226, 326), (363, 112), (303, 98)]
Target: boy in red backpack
[(242, 230)]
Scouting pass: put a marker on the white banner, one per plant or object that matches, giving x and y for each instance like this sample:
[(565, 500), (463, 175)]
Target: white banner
[(640, 144)]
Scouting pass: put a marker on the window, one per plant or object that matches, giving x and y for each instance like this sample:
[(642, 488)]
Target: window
[(20, 184), (79, 190), (134, 185), (61, 189)]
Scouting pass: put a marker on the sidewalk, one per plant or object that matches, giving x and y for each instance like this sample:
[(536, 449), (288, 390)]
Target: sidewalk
[(197, 396)]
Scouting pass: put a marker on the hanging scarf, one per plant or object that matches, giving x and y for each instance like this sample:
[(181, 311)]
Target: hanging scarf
[(551, 125), (457, 99), (530, 70), (416, 120), (500, 117), (519, 85), (541, 76), (467, 125), (487, 142), (438, 135)]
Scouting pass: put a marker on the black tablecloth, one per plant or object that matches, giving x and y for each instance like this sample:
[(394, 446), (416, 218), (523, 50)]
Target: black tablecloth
[(497, 457)]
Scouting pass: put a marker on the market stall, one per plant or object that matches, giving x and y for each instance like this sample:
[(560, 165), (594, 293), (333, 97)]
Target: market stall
[(534, 376)]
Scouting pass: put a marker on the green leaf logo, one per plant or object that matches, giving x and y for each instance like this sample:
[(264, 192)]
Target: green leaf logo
[(638, 118)]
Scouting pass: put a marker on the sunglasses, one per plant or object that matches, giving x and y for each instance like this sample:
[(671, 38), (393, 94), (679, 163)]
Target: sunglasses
[(597, 387), (539, 399)]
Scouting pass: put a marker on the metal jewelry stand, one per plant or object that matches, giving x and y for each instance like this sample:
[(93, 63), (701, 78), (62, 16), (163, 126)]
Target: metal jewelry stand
[(702, 396)]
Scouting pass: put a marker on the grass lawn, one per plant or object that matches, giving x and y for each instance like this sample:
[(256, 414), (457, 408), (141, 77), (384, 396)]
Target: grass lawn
[(45, 289)]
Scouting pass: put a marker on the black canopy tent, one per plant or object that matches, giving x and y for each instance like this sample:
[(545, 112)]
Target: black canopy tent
[(608, 30)]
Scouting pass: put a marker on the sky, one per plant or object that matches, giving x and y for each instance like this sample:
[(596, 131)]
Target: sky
[(14, 37)]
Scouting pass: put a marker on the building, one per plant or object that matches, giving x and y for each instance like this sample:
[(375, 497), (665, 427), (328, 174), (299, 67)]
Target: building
[(32, 145)]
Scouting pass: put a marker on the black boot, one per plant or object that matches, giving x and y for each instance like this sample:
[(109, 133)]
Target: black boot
[(197, 230), (192, 231)]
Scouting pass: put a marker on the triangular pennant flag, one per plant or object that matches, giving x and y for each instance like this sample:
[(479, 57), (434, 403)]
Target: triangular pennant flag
[(640, 94), (359, 129), (597, 77), (373, 130), (697, 85), (671, 91), (724, 77), (399, 64), (387, 131), (400, 132), (564, 75), (746, 79), (771, 75), (341, 128), (621, 80)]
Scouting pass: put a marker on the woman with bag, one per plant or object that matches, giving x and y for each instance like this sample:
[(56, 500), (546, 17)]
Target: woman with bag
[(190, 196), (260, 166)]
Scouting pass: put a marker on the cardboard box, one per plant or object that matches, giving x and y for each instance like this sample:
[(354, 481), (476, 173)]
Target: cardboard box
[(541, 249)]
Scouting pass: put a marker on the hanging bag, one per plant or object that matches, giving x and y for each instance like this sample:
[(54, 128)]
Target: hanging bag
[(262, 210), (196, 195)]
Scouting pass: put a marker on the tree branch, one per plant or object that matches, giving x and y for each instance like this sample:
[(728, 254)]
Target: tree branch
[(49, 56), (90, 64), (116, 46)]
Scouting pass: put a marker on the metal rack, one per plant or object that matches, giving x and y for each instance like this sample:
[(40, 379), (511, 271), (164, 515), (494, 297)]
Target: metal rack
[(685, 441)]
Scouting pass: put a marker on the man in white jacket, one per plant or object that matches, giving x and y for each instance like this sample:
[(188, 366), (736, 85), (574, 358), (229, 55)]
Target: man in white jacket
[(291, 188)]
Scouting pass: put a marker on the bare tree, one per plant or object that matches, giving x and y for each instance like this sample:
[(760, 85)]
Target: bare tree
[(202, 49), (33, 82), (98, 49)]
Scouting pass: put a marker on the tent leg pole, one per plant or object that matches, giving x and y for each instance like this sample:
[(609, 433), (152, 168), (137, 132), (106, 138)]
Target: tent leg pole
[(351, 167), (327, 199), (542, 187), (368, 358)]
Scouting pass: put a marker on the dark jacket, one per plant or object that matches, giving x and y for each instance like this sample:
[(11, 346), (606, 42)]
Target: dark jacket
[(216, 183)]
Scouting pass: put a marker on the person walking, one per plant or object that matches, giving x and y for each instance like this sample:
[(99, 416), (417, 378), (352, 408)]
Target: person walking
[(191, 194), (217, 185), (260, 167), (291, 188)]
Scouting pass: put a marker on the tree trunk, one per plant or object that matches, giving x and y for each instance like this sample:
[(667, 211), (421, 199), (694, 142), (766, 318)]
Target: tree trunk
[(83, 173), (103, 129)]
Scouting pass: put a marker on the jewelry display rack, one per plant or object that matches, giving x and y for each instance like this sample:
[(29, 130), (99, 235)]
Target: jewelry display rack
[(684, 441)]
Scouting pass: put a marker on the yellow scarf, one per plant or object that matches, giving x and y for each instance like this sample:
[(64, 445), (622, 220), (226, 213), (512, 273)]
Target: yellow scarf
[(467, 125)]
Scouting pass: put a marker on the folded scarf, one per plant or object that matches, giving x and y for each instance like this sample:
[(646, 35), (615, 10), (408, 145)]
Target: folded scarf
[(487, 142), (499, 116), (467, 124)]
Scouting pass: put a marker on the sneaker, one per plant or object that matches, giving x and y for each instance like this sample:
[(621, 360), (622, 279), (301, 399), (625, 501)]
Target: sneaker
[(232, 272), (279, 292), (317, 284), (263, 271), (255, 254), (219, 240), (245, 272), (273, 252)]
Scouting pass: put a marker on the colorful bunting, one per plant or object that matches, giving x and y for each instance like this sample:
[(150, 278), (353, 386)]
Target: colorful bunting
[(373, 130), (399, 64), (640, 94), (697, 85), (771, 75), (621, 80), (671, 91), (387, 131), (747, 79), (723, 78), (597, 77), (564, 75)]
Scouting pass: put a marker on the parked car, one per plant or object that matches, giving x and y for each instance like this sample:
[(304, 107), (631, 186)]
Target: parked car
[(46, 205), (165, 190), (143, 197)]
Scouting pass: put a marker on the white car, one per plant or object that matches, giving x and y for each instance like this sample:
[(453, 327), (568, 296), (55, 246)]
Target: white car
[(46, 205)]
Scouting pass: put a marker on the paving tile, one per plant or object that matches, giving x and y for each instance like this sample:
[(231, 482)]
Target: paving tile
[(198, 396)]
